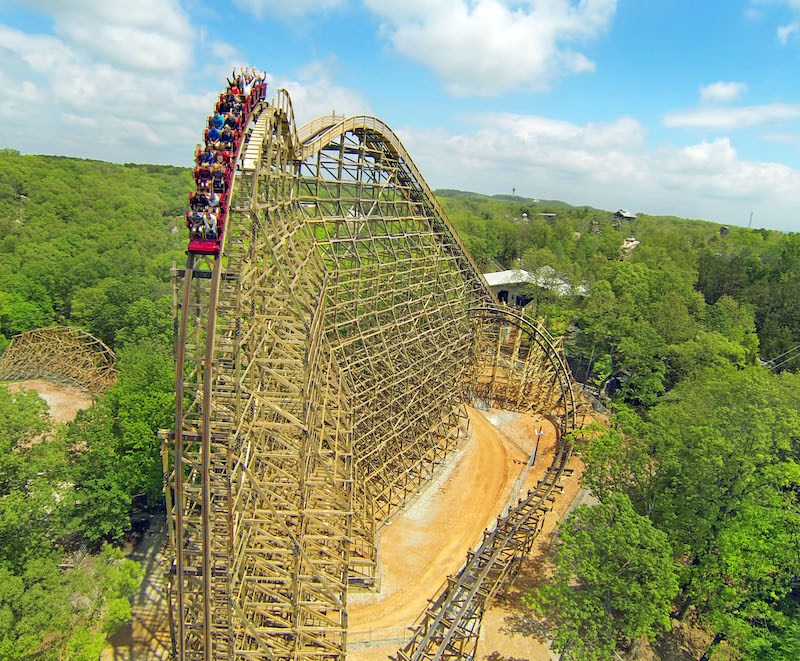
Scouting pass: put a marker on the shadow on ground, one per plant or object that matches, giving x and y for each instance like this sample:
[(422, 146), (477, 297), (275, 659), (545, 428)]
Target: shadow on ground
[(147, 635)]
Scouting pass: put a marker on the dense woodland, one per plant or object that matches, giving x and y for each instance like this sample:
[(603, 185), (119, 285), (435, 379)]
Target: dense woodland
[(697, 477), (88, 244)]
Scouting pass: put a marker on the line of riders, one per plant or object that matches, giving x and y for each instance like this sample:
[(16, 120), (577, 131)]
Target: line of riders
[(213, 173)]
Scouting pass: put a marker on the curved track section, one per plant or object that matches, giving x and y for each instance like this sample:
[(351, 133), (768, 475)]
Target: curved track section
[(519, 367), (63, 353), (324, 358)]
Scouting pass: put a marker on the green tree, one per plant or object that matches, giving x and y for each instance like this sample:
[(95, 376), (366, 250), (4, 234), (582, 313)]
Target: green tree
[(614, 581), (617, 462), (23, 416), (715, 466), (120, 450), (690, 359)]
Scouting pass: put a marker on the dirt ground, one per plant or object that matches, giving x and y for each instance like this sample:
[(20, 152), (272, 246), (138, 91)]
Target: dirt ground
[(509, 632), (422, 545), (430, 538), (64, 401), (147, 635)]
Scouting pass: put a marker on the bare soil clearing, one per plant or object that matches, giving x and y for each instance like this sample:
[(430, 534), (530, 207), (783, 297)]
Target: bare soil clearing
[(509, 631), (64, 401), (418, 551)]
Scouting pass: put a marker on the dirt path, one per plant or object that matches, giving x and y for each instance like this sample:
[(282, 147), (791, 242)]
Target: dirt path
[(430, 539), (63, 401), (509, 632), (423, 545)]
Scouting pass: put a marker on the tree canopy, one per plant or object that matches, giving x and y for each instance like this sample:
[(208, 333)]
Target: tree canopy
[(697, 477), (614, 582)]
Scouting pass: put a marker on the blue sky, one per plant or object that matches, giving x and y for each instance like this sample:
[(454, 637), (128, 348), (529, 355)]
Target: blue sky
[(680, 107)]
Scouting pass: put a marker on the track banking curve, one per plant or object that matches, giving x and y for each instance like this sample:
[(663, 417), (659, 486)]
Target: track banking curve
[(325, 351)]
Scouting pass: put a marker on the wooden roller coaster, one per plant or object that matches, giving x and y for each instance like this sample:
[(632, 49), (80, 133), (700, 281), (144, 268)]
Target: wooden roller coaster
[(62, 353), (324, 359)]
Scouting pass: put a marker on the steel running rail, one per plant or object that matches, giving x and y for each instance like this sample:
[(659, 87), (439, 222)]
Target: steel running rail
[(179, 436)]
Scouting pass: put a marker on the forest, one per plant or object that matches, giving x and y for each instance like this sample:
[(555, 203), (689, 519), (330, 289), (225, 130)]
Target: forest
[(88, 244), (697, 475)]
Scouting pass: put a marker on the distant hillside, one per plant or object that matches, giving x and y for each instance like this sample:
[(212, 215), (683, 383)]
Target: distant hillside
[(91, 243), (454, 193), (82, 241)]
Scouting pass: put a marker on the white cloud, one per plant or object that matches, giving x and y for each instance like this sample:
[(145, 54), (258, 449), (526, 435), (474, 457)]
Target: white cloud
[(791, 139), (315, 93), (149, 35), (493, 46), (286, 7), (732, 118), (606, 165), (541, 132), (786, 31), (783, 32), (71, 97), (713, 169), (76, 103), (722, 91)]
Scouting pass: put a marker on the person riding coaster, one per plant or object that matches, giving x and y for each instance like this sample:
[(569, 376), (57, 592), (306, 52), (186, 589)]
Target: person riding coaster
[(214, 170)]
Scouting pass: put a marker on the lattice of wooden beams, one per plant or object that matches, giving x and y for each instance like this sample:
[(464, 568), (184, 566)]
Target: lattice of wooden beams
[(62, 353)]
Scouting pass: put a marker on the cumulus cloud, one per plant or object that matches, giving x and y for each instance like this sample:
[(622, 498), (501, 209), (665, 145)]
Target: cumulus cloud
[(150, 35), (71, 100), (607, 165), (733, 118), (132, 98), (314, 92), (492, 46), (281, 7), (786, 31), (537, 155), (722, 91), (714, 169)]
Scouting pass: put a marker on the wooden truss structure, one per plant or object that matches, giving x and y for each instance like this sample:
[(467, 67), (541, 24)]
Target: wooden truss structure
[(62, 353), (324, 360)]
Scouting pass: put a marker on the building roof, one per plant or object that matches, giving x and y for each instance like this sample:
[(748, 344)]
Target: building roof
[(544, 277), (622, 213), (630, 243), (513, 277)]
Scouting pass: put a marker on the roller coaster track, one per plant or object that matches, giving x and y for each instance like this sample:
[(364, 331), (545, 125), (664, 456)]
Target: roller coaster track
[(62, 353), (323, 362), (449, 627)]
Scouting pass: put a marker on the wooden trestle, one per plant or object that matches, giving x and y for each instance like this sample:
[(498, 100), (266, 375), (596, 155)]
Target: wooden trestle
[(324, 360), (59, 352)]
